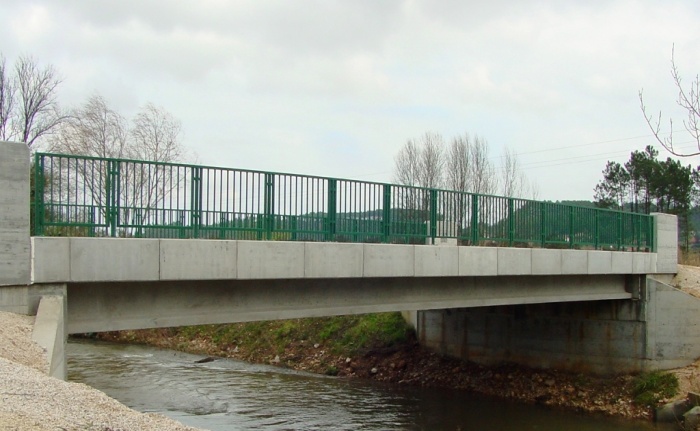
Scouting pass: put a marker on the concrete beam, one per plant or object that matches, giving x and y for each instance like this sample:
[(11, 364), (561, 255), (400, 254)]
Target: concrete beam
[(114, 306)]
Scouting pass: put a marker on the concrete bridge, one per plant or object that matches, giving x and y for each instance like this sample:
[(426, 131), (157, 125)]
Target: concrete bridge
[(584, 310)]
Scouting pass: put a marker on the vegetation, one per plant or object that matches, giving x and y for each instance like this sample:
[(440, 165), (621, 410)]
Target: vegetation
[(646, 184), (338, 335), (650, 388)]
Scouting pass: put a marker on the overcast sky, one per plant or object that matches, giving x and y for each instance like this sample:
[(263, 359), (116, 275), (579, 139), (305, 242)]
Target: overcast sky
[(336, 88)]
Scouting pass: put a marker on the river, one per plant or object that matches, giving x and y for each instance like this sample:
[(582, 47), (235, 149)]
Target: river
[(233, 395)]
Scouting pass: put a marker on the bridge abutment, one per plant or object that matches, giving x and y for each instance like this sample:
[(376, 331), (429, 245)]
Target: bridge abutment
[(658, 330)]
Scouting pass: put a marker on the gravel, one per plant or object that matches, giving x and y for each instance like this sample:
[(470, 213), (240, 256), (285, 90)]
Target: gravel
[(31, 400)]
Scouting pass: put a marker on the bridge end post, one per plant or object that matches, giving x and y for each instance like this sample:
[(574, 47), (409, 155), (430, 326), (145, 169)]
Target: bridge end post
[(666, 243), (14, 214)]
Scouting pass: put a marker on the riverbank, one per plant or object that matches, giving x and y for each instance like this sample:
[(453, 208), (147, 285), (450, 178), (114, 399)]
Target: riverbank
[(30, 400), (405, 362)]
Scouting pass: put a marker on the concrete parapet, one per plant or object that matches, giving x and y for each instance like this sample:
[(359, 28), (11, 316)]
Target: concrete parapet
[(333, 260), (270, 259), (514, 261), (436, 261), (478, 261), (666, 240), (599, 262), (58, 260), (545, 261), (388, 260), (198, 259), (50, 259), (50, 333), (114, 259), (14, 214), (574, 262)]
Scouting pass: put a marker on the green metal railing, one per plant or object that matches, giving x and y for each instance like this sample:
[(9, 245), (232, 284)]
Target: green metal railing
[(89, 196)]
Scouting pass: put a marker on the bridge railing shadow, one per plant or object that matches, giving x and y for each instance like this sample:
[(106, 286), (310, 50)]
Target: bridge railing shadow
[(89, 196)]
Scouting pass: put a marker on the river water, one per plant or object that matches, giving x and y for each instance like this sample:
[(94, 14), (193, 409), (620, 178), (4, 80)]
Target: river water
[(233, 395)]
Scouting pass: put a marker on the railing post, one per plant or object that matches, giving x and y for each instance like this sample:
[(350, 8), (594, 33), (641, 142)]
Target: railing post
[(433, 215), (113, 195), (571, 227), (386, 213), (331, 212), (596, 230), (543, 225), (39, 181), (511, 222), (196, 203), (475, 219), (619, 231), (269, 216)]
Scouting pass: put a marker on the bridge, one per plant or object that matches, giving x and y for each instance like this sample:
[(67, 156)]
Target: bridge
[(92, 244)]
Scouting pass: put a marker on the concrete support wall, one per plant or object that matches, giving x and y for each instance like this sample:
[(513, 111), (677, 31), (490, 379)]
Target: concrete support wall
[(673, 333), (659, 329), (14, 214), (602, 337), (666, 238), (50, 333)]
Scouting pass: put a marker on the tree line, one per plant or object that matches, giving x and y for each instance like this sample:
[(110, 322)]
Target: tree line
[(30, 112), (463, 165)]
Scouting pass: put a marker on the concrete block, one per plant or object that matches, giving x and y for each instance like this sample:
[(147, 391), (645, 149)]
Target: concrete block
[(546, 261), (574, 262), (622, 262), (50, 333), (478, 261), (436, 261), (13, 299), (514, 261), (270, 259), (197, 259), (388, 260), (50, 259), (599, 262), (114, 259), (14, 214), (333, 260), (641, 263)]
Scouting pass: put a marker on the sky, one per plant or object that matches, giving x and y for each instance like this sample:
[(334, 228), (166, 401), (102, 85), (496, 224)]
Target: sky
[(335, 88)]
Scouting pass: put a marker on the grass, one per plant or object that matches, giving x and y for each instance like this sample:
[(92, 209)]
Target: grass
[(650, 388), (340, 335)]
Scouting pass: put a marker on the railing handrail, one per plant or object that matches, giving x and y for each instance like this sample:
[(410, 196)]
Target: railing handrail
[(107, 187)]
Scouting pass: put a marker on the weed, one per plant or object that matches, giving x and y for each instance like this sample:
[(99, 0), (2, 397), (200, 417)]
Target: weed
[(650, 388)]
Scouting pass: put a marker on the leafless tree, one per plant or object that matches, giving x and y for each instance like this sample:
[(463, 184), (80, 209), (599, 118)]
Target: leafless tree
[(482, 172), (689, 100), (96, 130), (36, 112), (7, 98), (419, 164), (93, 129)]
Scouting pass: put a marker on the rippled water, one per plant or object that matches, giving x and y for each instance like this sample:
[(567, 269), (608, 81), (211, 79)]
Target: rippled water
[(234, 395)]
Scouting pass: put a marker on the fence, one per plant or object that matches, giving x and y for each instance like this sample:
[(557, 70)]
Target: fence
[(88, 196)]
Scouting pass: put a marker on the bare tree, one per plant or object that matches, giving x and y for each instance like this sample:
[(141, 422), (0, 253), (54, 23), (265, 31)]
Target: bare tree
[(37, 112), (689, 100), (457, 164), (95, 129), (482, 172), (420, 163), (155, 135), (7, 98)]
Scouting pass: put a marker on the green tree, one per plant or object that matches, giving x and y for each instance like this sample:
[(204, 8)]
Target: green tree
[(612, 191)]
